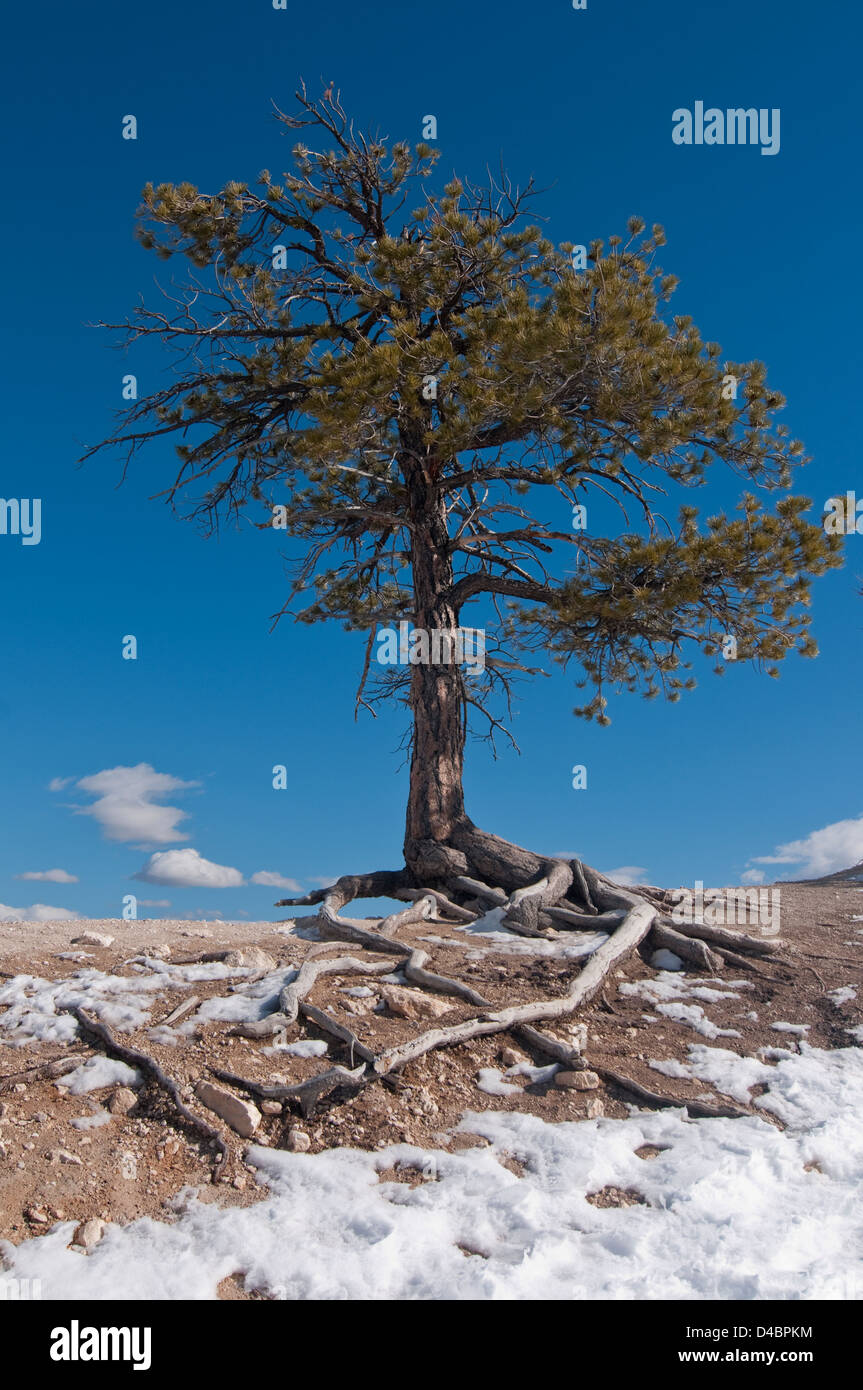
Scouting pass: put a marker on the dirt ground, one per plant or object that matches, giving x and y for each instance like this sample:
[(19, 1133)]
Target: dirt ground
[(123, 1166)]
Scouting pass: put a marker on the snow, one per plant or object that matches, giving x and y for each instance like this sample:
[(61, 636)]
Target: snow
[(800, 1029), (695, 1017), (565, 945), (843, 995), (306, 1047), (91, 1121), (664, 959), (490, 1080), (730, 1210), (96, 1072)]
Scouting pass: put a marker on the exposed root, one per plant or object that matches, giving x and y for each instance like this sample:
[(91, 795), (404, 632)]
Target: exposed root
[(686, 947), (306, 1093), (291, 995), (92, 1028), (457, 882), (50, 1070), (732, 940), (698, 1109), (442, 984), (330, 1025)]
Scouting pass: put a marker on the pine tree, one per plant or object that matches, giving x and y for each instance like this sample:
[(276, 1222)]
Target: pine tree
[(405, 391)]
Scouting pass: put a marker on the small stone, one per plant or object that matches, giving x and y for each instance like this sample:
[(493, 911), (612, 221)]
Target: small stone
[(122, 1101), (595, 1108), (298, 1141), (93, 938), (64, 1156), (425, 1102), (37, 1217), (240, 1182), (4, 1152), (250, 957), (241, 1115), (20, 1087), (577, 1080), (89, 1233), (271, 1107), (412, 1004), (40, 1118), (4, 1110), (510, 1057)]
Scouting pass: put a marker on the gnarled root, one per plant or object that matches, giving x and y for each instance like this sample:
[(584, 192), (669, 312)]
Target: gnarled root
[(536, 896)]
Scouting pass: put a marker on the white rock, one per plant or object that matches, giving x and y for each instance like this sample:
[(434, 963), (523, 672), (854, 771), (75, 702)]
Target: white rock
[(577, 1080), (122, 1101), (250, 957), (298, 1141), (92, 938), (413, 1004), (241, 1115), (89, 1233)]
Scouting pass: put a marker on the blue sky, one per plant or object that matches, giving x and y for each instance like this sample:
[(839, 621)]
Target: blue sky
[(581, 100)]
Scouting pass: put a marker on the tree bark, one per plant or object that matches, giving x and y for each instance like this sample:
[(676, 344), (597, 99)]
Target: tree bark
[(436, 796)]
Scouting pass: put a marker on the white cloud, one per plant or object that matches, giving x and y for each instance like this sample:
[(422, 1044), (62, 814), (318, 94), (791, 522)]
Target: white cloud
[(38, 912), (628, 875), (752, 876), (185, 868), (49, 876), (834, 847), (58, 783), (266, 879), (325, 882), (126, 805)]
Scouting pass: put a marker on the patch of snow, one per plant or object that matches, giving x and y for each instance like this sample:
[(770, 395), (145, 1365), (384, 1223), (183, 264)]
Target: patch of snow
[(729, 1211), (562, 945), (97, 1072), (490, 1080), (534, 1074), (800, 1029), (91, 1121), (306, 1047), (843, 995), (664, 959), (695, 1017)]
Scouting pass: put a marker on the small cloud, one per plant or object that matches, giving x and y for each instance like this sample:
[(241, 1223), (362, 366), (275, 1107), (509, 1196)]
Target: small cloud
[(49, 876), (752, 876), (154, 902), (265, 879), (325, 882), (186, 868), (58, 783), (126, 804), (628, 875), (38, 912), (826, 851)]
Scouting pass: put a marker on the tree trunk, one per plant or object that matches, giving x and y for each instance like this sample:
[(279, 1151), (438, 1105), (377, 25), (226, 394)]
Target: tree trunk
[(436, 797)]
